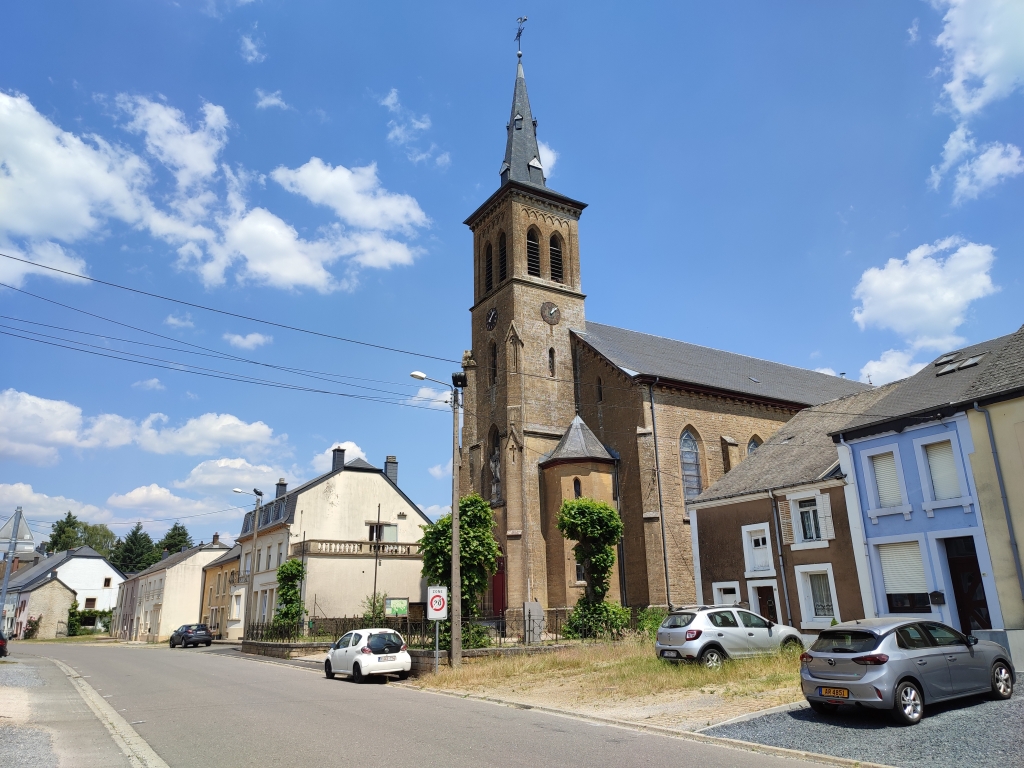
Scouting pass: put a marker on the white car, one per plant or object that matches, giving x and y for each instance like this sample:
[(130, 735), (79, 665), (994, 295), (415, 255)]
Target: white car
[(710, 634), (366, 652)]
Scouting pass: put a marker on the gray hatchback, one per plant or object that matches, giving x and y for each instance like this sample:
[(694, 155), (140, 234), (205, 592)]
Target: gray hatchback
[(900, 664)]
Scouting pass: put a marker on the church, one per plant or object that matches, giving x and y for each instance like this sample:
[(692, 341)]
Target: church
[(556, 407)]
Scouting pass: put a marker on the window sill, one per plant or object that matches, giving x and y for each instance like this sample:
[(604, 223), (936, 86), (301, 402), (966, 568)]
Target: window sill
[(796, 547), (874, 514), (964, 501), (759, 574)]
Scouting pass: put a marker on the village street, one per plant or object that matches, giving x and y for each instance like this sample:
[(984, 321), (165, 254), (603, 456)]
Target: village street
[(210, 708)]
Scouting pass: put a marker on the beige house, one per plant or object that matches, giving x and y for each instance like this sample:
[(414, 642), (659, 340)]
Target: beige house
[(223, 596), (337, 524), (48, 599)]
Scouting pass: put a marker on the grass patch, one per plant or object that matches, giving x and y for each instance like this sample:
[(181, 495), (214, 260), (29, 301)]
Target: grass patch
[(626, 668), (75, 639)]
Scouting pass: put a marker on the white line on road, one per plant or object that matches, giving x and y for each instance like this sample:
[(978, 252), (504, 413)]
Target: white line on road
[(135, 748)]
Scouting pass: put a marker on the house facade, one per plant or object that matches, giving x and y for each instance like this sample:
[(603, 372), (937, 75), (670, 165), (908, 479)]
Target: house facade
[(223, 596)]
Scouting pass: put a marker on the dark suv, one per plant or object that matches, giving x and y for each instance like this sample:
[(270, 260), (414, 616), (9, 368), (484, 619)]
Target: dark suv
[(191, 634)]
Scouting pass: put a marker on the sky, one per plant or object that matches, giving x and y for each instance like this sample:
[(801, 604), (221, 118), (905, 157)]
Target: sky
[(834, 186)]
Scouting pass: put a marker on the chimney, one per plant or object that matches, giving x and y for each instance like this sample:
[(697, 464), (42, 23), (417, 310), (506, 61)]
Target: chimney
[(282, 488), (164, 555), (216, 538), (185, 546), (391, 469), (338, 459)]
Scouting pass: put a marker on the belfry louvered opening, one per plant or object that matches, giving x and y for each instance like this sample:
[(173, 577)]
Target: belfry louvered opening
[(532, 253), (555, 250), (489, 268), (502, 258)]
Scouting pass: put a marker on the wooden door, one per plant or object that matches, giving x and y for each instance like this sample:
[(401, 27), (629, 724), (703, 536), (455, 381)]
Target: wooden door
[(766, 603)]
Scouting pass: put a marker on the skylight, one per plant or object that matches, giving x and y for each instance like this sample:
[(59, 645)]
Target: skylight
[(948, 369), (971, 361), (947, 358)]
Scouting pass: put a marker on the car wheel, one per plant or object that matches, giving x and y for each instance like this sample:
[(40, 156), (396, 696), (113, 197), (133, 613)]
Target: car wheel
[(792, 645), (172, 642), (403, 675), (328, 672), (208, 643), (357, 674), (712, 658), (1002, 681), (823, 707), (909, 706)]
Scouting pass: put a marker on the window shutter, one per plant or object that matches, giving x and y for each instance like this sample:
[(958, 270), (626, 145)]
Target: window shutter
[(828, 530), (887, 481), (942, 467), (902, 569), (786, 520)]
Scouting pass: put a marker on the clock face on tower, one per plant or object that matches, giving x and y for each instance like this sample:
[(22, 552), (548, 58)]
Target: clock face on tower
[(492, 319), (550, 313)]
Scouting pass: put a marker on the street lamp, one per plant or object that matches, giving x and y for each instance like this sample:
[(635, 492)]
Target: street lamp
[(255, 534), (458, 380)]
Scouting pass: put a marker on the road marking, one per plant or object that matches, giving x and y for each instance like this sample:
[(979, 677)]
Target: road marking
[(134, 747)]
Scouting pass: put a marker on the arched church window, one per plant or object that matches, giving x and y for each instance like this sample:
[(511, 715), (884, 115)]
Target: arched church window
[(689, 460), (502, 258), (489, 269), (753, 445), (494, 464), (551, 361), (493, 364), (532, 253), (600, 389), (577, 488), (555, 251)]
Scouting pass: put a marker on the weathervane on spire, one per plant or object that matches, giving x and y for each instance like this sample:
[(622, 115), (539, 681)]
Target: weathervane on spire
[(519, 35)]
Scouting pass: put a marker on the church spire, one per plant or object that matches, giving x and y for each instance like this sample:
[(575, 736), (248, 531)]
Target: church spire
[(522, 157)]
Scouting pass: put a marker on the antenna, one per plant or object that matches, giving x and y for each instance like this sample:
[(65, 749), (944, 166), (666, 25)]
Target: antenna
[(519, 35)]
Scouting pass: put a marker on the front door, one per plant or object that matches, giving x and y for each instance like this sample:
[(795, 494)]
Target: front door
[(766, 603), (968, 590), (498, 589), (339, 655)]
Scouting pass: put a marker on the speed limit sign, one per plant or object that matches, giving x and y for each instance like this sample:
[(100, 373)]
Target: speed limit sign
[(437, 603)]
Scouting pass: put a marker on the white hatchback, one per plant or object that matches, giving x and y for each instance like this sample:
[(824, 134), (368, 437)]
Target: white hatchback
[(366, 652)]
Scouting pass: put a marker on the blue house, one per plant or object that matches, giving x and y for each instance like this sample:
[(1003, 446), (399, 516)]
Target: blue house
[(913, 503)]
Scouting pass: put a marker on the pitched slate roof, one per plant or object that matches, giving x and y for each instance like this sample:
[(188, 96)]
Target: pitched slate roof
[(232, 554), (179, 557), (946, 384), (578, 443), (641, 354), (800, 452), (25, 578), (522, 156)]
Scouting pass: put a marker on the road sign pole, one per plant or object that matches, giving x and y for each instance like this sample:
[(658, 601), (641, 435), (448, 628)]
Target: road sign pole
[(437, 645)]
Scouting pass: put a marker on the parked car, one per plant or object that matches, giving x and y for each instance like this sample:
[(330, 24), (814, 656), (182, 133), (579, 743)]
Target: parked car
[(3, 644), (710, 634), (367, 652), (901, 664), (191, 634)]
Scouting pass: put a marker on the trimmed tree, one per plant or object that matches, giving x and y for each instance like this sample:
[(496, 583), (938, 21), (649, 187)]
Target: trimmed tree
[(74, 619), (65, 534), (290, 610)]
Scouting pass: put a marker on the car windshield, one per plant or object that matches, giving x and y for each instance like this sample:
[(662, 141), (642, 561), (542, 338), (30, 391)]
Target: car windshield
[(678, 620), (845, 641), (385, 642)]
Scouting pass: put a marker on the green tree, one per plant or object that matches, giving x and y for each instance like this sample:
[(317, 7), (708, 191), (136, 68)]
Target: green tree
[(373, 609), (99, 537), (290, 610), (175, 538), (74, 619), (65, 534), (478, 550), (135, 552)]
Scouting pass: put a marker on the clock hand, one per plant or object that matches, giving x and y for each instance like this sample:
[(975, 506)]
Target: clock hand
[(552, 311)]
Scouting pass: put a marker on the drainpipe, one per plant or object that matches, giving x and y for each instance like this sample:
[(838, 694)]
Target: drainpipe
[(661, 504), (1002, 493), (782, 563)]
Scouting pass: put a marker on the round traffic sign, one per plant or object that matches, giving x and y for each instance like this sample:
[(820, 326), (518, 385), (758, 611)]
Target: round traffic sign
[(437, 603)]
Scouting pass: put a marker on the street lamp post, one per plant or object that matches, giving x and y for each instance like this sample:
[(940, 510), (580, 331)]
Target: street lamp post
[(458, 380), (252, 555)]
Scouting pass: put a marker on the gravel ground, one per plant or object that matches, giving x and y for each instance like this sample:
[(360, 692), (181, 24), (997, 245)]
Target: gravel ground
[(26, 747), (969, 732), (18, 675)]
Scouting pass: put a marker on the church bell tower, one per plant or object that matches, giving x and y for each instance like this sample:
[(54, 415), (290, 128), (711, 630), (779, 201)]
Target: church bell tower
[(519, 396)]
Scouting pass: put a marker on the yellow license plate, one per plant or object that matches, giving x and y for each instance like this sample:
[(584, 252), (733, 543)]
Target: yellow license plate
[(834, 693)]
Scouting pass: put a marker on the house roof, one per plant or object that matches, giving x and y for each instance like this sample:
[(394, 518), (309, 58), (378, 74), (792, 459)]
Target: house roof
[(578, 443), (945, 385), (641, 354), (25, 578), (800, 452), (178, 557), (232, 554)]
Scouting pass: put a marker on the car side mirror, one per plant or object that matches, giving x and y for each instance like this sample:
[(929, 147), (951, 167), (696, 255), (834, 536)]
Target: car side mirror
[(770, 623), (972, 640)]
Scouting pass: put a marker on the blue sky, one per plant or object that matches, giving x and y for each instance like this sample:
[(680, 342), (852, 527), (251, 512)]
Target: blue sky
[(834, 186)]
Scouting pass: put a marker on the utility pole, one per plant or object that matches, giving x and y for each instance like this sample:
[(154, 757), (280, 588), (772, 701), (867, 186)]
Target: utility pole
[(376, 562), (12, 548), (252, 555)]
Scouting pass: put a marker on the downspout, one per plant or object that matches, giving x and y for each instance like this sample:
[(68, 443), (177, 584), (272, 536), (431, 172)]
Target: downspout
[(623, 599), (1002, 493), (782, 563), (661, 504)]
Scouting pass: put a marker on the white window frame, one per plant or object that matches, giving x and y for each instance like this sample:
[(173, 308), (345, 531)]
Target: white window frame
[(881, 601), (803, 587), (748, 550), (875, 510), (799, 543), (930, 502), (753, 601), (716, 588)]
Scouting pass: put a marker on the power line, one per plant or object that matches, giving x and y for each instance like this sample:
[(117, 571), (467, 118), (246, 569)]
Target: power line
[(155, 520)]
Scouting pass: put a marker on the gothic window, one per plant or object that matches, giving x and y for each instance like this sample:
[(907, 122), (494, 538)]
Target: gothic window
[(551, 361), (493, 363), (502, 258), (600, 390), (489, 269), (494, 464), (753, 445), (689, 460), (577, 488), (555, 250), (532, 253)]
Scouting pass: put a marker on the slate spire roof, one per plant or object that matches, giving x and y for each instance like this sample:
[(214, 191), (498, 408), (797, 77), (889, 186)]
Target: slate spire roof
[(578, 443), (522, 156)]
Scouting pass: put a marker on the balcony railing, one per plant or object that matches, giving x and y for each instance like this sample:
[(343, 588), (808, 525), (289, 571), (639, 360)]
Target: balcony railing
[(238, 578), (337, 548)]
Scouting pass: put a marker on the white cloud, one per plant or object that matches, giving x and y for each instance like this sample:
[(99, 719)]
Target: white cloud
[(220, 474), (548, 158), (266, 100), (443, 160), (250, 341), (156, 498), (995, 164), (149, 384), (959, 145), (40, 506), (406, 128), (829, 371), (441, 470), (250, 49), (322, 461), (431, 398), (435, 511), (913, 31), (180, 322), (894, 364)]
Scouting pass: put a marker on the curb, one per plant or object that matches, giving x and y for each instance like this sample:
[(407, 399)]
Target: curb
[(792, 707), (746, 746)]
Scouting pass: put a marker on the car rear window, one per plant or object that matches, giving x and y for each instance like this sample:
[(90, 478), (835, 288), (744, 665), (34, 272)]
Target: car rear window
[(845, 641), (677, 620), (385, 642)]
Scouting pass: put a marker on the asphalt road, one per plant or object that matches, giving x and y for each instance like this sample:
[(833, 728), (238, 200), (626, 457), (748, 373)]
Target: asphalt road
[(210, 708)]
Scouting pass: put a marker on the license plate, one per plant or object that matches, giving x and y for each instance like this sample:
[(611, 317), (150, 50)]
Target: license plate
[(385, 658), (669, 655), (834, 693)]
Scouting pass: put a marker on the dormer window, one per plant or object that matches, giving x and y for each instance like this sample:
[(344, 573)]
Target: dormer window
[(518, 122)]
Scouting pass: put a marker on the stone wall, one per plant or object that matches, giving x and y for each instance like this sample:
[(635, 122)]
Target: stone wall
[(50, 602)]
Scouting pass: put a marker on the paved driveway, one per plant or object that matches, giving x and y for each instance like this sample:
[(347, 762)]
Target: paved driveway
[(970, 732)]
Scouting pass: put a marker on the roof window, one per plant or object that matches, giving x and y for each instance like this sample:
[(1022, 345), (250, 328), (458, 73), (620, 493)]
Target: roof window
[(971, 361), (756, 381), (948, 368), (948, 357)]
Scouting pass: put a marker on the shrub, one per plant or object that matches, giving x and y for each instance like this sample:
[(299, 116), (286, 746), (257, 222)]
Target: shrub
[(594, 620), (74, 619), (649, 619), (473, 636), (290, 610), (373, 609), (32, 627)]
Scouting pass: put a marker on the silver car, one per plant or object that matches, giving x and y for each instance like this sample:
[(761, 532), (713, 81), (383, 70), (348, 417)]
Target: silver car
[(710, 634), (901, 664)]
